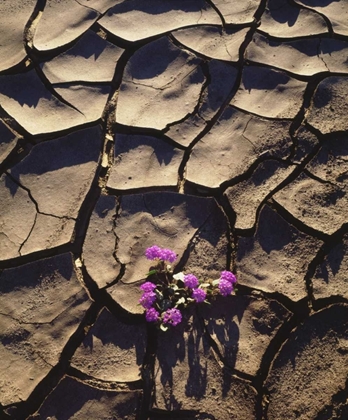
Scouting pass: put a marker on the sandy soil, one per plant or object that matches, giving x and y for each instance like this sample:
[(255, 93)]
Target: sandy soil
[(216, 128)]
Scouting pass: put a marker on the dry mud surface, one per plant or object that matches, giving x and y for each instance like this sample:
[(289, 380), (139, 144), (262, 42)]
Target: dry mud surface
[(216, 128)]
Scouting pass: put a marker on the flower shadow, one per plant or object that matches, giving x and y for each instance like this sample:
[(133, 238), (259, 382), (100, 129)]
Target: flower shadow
[(222, 321), (187, 368)]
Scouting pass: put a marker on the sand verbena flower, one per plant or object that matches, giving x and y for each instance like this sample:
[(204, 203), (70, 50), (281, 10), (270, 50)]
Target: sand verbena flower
[(168, 255), (153, 252), (166, 294), (148, 286), (190, 281), (151, 315), (230, 277), (199, 295), (225, 287), (172, 316), (147, 299)]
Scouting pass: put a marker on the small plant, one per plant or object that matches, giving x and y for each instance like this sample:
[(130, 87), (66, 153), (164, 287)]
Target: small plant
[(165, 294)]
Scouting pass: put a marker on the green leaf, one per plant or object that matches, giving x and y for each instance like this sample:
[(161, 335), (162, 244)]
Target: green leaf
[(216, 282), (151, 272), (205, 284), (174, 286), (164, 327)]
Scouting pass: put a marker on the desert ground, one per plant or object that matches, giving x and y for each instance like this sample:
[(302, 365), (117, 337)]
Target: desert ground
[(215, 128)]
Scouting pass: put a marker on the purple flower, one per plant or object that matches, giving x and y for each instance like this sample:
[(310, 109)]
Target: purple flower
[(225, 287), (163, 254), (199, 295), (151, 315), (153, 252), (148, 286), (230, 277), (172, 316), (190, 281), (168, 255), (147, 299)]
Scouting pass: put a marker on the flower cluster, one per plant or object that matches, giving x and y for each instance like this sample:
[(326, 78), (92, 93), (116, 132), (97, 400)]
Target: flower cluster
[(165, 294), (155, 252)]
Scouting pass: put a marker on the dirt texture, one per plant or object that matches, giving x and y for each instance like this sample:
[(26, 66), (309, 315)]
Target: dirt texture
[(215, 128)]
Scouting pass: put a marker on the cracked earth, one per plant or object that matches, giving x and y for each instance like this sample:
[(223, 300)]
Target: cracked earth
[(214, 128)]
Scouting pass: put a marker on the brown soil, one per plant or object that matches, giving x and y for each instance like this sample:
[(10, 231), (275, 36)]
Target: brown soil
[(214, 128)]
